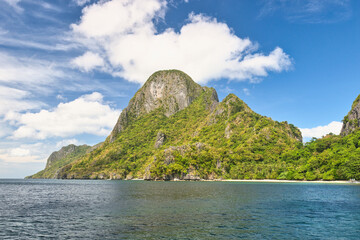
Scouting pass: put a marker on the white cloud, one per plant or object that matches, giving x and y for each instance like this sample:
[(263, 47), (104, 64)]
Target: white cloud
[(5, 130), (320, 131), (118, 17), (19, 152), (19, 155), (246, 91), (204, 48), (88, 61), (61, 97), (66, 142), (19, 159), (81, 2), (15, 4), (14, 100), (308, 11), (27, 71), (86, 114), (29, 43), (47, 6), (15, 152)]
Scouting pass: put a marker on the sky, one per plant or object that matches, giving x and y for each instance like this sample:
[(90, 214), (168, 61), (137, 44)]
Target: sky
[(68, 68)]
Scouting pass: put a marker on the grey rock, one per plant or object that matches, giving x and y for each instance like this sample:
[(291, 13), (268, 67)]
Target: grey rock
[(96, 146), (172, 90), (218, 164), (192, 175), (160, 139), (147, 174), (199, 145), (351, 121), (115, 176), (63, 152), (101, 176), (227, 131)]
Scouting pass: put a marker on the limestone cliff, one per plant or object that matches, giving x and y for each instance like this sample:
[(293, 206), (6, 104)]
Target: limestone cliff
[(58, 155), (351, 121), (60, 158), (172, 90)]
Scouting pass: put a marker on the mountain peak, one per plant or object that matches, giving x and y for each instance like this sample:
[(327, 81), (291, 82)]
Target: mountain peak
[(170, 90), (171, 76)]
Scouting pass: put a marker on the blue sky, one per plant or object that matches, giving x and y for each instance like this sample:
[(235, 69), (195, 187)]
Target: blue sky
[(67, 68)]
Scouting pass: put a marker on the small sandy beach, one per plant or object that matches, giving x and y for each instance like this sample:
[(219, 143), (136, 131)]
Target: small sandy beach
[(290, 181)]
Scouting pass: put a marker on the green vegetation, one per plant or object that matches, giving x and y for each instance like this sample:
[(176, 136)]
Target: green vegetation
[(155, 139), (51, 171), (230, 141), (330, 158)]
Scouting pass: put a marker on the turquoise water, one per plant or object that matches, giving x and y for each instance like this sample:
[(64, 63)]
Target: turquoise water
[(81, 209)]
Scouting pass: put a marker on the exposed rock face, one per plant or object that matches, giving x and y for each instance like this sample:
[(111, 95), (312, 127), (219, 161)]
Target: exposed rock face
[(192, 175), (171, 89), (351, 121), (96, 146), (63, 152), (227, 131), (59, 159), (160, 139)]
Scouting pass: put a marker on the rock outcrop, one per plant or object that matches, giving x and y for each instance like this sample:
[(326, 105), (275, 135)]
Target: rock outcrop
[(61, 158), (160, 139), (351, 121), (58, 155), (171, 90)]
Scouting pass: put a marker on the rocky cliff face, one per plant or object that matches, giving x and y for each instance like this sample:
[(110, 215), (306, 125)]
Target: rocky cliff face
[(351, 121), (172, 90), (58, 155), (59, 159)]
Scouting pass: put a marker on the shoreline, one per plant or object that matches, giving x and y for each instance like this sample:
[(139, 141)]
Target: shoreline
[(265, 181), (290, 181), (206, 180)]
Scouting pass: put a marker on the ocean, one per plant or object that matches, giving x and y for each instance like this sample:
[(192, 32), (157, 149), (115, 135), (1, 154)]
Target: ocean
[(95, 209)]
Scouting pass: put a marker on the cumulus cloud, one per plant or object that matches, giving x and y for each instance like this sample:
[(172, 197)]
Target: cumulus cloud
[(124, 33), (320, 131), (118, 17), (88, 61), (86, 114)]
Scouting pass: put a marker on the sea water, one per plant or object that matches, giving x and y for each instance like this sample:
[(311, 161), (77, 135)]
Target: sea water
[(95, 209)]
